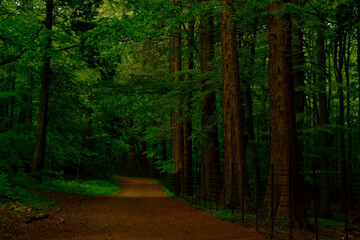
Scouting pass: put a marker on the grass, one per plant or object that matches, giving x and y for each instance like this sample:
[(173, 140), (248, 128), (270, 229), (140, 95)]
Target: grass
[(17, 189)]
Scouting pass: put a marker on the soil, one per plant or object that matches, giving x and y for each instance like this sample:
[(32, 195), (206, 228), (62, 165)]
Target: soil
[(139, 211)]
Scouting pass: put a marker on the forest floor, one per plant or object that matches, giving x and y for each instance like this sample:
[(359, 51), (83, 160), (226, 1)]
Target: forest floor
[(139, 211)]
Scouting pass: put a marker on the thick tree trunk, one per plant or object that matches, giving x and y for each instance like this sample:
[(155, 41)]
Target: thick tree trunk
[(187, 186), (210, 165), (287, 190), (235, 167), (40, 138), (325, 207)]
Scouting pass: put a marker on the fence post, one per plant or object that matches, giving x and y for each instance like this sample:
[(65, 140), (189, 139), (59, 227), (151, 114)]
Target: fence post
[(290, 199), (272, 200), (243, 193), (346, 203), (256, 205)]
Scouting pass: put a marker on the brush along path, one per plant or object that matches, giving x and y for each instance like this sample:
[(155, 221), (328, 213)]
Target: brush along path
[(139, 211)]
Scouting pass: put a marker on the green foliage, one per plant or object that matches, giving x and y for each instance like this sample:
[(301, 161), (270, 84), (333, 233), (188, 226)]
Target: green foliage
[(53, 181), (166, 166), (225, 214), (10, 192), (19, 188)]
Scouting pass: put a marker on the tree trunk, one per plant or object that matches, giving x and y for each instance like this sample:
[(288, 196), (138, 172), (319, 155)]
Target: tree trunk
[(288, 197), (325, 207), (188, 173), (210, 164), (40, 138), (233, 112)]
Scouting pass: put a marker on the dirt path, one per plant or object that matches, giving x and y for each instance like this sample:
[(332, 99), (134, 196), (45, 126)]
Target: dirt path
[(139, 211)]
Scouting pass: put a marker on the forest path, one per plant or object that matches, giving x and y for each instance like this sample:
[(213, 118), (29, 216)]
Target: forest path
[(139, 211)]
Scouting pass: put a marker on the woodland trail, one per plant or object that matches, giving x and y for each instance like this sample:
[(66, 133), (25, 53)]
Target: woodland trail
[(139, 211)]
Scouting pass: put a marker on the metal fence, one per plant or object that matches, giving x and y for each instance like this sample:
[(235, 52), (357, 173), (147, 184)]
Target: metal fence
[(331, 200)]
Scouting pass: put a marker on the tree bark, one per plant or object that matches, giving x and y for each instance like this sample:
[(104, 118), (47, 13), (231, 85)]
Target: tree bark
[(235, 167), (40, 138), (287, 191), (210, 164)]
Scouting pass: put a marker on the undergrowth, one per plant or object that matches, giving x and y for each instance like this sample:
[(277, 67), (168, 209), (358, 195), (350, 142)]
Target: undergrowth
[(17, 188)]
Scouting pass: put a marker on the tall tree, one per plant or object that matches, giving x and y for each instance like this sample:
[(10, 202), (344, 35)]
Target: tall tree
[(288, 198), (235, 168), (210, 164), (40, 138)]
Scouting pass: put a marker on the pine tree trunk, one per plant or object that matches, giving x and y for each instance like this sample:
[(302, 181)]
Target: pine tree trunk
[(210, 165), (325, 207), (40, 138), (287, 191)]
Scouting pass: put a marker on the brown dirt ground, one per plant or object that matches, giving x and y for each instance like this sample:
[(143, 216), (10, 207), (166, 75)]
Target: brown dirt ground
[(139, 211)]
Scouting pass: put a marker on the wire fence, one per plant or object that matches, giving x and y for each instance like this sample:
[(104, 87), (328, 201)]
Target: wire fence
[(315, 204)]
